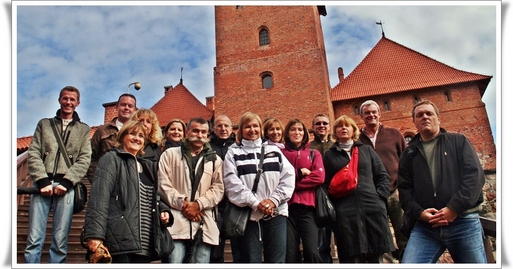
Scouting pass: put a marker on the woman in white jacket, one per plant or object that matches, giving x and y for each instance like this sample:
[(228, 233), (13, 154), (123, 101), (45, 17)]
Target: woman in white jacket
[(266, 230)]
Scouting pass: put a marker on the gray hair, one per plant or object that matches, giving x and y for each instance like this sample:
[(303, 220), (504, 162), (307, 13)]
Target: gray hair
[(368, 103)]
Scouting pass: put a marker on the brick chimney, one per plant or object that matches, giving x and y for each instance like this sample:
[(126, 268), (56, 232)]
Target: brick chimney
[(210, 102), (110, 111), (340, 74)]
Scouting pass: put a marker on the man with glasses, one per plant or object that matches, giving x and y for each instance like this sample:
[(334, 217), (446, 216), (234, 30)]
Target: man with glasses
[(322, 142)]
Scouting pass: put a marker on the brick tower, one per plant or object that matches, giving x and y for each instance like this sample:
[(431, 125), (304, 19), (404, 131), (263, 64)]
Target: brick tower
[(271, 60)]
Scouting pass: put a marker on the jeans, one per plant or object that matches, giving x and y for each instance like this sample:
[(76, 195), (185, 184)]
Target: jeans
[(269, 236), (202, 252), (463, 238), (300, 224), (39, 212)]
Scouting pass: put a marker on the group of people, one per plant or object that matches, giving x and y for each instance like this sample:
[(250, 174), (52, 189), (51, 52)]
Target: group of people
[(182, 178)]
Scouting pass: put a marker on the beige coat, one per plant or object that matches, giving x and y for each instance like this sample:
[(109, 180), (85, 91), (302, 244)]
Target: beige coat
[(175, 185)]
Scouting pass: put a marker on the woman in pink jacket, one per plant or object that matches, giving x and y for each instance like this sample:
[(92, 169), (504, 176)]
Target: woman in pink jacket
[(309, 174)]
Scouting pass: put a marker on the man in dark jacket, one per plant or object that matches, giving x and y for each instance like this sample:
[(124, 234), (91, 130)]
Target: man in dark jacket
[(220, 140), (388, 143), (55, 180), (322, 142), (440, 186)]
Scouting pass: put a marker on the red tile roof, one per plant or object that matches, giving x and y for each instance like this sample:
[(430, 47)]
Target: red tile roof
[(179, 102), (390, 67)]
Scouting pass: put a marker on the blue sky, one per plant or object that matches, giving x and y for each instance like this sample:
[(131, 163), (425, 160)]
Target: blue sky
[(102, 49)]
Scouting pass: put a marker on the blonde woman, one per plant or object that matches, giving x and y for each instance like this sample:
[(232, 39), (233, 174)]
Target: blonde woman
[(266, 229), (120, 211), (361, 231), (148, 118)]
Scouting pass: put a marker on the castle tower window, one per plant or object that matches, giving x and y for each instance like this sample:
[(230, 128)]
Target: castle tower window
[(264, 37), (356, 110), (387, 107), (267, 81)]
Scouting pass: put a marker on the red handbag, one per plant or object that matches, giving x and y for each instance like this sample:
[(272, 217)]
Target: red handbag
[(345, 180)]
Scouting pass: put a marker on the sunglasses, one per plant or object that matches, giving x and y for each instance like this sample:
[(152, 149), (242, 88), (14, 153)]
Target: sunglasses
[(321, 123)]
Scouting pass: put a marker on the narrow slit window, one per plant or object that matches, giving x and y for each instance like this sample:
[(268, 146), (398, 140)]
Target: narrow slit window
[(448, 97), (387, 107)]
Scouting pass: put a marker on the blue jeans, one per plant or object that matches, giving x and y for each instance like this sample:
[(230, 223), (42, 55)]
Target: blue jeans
[(267, 236), (202, 252), (463, 238), (39, 211)]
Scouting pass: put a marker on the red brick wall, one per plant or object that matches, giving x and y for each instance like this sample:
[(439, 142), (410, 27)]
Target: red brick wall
[(110, 112), (295, 56), (465, 113)]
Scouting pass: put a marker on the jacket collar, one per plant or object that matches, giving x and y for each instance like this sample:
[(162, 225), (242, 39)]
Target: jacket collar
[(252, 144), (75, 115)]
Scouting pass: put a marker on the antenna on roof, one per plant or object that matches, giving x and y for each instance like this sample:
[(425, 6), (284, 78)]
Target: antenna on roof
[(381, 24), (181, 80)]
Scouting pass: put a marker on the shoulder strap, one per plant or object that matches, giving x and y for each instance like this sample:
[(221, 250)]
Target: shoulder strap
[(260, 170), (312, 154), (62, 149)]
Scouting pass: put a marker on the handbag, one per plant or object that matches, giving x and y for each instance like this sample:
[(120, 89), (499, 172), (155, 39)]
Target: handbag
[(80, 199), (324, 209), (235, 218), (346, 179), (164, 243)]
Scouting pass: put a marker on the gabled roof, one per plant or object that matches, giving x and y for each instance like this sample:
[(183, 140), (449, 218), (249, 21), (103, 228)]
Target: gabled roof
[(390, 67), (179, 102)]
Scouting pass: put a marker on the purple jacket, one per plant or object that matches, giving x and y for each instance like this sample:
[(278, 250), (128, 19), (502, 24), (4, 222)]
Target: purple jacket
[(304, 191)]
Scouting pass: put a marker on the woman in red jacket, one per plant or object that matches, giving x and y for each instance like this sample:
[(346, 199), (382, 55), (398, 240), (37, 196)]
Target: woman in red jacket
[(309, 174)]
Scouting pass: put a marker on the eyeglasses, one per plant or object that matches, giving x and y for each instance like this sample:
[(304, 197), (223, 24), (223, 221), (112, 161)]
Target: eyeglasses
[(321, 123)]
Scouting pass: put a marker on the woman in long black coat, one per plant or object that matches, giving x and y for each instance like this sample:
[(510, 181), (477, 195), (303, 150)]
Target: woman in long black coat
[(362, 232)]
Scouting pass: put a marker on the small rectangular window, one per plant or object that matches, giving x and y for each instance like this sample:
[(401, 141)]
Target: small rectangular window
[(448, 97)]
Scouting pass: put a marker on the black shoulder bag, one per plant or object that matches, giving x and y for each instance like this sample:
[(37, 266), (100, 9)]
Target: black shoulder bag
[(324, 210), (80, 200), (235, 218)]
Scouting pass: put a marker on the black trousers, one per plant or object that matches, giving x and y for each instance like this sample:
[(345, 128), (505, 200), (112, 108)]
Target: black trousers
[(300, 224), (325, 244)]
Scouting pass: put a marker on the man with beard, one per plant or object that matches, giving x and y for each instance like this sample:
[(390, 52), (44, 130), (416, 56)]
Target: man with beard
[(190, 179)]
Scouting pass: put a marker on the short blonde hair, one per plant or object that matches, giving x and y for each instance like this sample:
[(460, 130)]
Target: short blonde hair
[(247, 117), (129, 126), (343, 120), (267, 125)]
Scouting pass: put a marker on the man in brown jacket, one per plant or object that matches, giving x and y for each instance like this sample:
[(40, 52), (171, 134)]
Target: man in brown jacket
[(104, 137), (388, 143)]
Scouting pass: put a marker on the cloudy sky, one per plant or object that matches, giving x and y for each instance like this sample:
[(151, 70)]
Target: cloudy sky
[(102, 49)]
